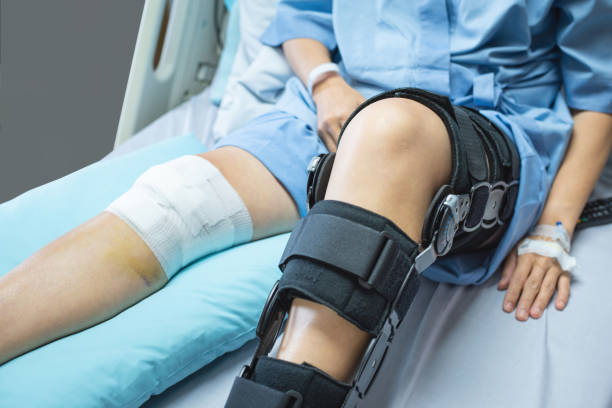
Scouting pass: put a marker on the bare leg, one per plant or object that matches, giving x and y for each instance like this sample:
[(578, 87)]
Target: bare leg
[(102, 267), (398, 153)]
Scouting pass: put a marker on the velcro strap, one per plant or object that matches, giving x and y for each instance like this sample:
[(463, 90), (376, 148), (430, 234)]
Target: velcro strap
[(315, 388), (249, 394), (476, 159), (501, 148), (504, 147), (352, 260), (367, 254)]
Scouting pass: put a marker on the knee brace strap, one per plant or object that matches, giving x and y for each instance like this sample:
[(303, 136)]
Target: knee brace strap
[(184, 209), (281, 384), (351, 260), (360, 265)]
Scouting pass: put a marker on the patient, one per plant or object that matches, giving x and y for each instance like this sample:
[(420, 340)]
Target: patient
[(507, 62)]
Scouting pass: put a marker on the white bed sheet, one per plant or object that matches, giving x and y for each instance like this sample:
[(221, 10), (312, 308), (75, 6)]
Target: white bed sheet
[(456, 348)]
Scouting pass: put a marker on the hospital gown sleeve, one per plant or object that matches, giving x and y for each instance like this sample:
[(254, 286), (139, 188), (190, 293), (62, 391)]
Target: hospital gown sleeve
[(584, 36), (301, 19)]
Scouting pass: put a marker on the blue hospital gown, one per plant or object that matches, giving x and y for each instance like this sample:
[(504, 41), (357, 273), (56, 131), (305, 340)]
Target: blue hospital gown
[(508, 58)]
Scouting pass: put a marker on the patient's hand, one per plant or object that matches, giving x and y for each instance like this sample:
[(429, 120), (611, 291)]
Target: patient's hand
[(335, 101), (533, 278)]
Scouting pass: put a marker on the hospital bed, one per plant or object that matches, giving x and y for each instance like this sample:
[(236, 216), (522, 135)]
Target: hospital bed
[(457, 348)]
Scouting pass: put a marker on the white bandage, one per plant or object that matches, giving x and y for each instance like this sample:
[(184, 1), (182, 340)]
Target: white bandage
[(558, 248), (184, 209), (550, 249), (554, 232)]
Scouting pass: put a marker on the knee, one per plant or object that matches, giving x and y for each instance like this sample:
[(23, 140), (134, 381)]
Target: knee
[(394, 128), (184, 209)]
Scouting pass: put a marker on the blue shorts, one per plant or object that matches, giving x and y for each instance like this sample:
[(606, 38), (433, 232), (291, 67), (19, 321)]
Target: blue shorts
[(284, 144)]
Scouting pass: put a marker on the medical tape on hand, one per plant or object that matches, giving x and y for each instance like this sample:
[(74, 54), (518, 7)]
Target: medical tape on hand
[(551, 249), (555, 233), (184, 209)]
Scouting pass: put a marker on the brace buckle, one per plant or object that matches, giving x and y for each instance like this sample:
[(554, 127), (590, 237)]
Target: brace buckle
[(312, 175), (451, 214)]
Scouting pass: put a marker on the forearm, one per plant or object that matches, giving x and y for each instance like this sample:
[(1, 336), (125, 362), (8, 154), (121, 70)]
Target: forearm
[(586, 155), (84, 277), (304, 54)]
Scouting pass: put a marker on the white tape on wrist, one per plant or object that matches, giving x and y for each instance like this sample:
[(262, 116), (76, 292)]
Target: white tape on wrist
[(554, 232), (317, 74), (551, 249), (184, 209)]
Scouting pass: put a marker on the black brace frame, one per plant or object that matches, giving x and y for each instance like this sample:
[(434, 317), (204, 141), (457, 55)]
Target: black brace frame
[(451, 213), (271, 323)]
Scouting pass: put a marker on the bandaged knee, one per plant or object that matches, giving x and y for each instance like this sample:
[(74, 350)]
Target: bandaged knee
[(184, 209)]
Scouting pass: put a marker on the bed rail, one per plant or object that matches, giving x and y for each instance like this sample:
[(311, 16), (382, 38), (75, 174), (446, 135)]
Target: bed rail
[(176, 54)]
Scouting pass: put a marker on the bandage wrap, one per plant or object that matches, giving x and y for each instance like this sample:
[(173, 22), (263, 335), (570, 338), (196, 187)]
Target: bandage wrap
[(184, 209), (558, 247)]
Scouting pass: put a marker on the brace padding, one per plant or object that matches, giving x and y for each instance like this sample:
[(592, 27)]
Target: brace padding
[(318, 389), (249, 394), (319, 264)]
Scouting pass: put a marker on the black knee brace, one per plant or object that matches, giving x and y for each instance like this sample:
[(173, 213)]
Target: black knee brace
[(366, 269), (359, 264), (471, 211)]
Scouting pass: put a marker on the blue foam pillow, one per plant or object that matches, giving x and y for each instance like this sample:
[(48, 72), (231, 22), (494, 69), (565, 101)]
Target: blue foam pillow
[(206, 310)]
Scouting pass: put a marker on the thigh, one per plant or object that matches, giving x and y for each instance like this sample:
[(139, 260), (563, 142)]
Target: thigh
[(270, 205), (284, 144), (266, 161)]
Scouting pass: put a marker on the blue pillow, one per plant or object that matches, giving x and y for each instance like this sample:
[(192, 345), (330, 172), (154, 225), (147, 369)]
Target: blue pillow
[(208, 309)]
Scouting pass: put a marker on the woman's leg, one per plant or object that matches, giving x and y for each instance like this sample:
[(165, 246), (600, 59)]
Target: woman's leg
[(393, 157), (102, 267)]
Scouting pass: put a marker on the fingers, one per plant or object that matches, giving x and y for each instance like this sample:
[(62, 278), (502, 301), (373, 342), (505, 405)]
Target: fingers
[(509, 267), (563, 291), (519, 276), (547, 290), (532, 285)]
